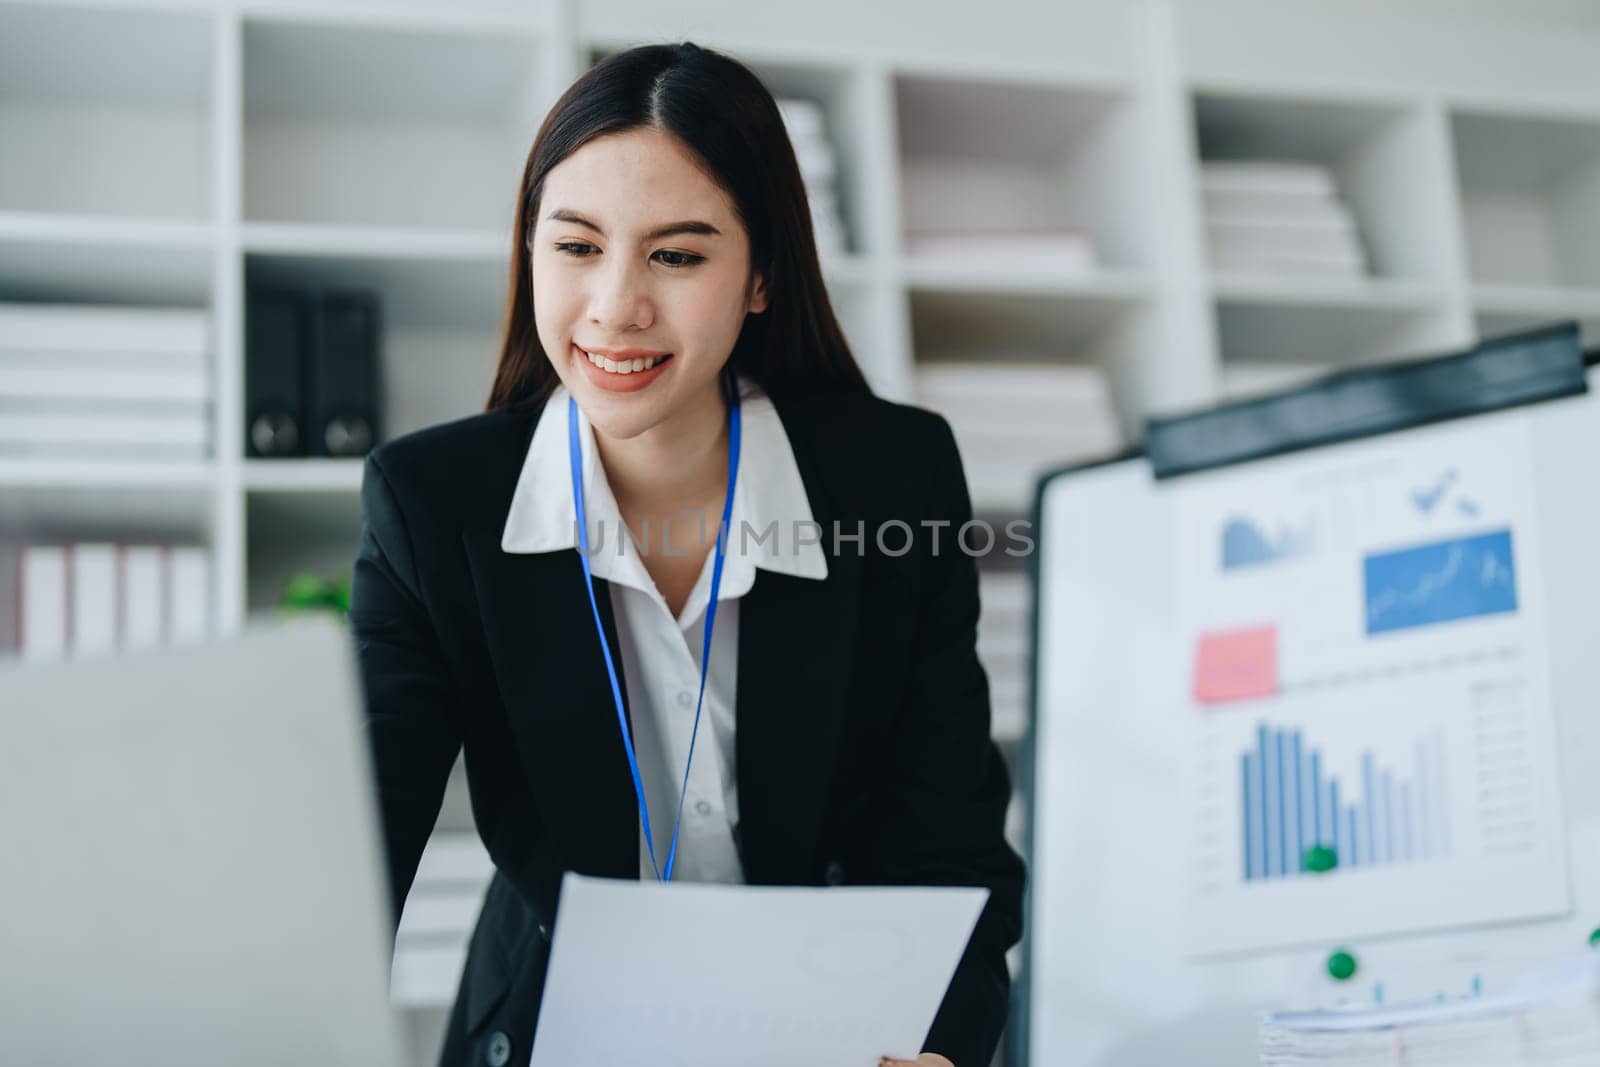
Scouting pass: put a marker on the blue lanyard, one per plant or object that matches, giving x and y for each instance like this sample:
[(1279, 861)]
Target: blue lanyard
[(575, 450)]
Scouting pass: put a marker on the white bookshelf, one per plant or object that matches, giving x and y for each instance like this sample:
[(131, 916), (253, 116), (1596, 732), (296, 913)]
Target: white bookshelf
[(172, 152)]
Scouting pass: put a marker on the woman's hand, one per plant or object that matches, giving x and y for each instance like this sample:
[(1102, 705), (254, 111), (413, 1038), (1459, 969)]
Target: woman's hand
[(927, 1059)]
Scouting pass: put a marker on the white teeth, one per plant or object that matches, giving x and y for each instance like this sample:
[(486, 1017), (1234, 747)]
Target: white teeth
[(626, 366)]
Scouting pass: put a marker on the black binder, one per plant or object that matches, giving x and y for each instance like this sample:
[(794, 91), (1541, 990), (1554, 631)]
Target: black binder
[(343, 382), (275, 347)]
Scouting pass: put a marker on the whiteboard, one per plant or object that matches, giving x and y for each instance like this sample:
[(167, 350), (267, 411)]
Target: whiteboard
[(1110, 976)]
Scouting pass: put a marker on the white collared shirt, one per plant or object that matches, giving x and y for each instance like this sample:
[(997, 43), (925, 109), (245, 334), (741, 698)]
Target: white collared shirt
[(660, 655)]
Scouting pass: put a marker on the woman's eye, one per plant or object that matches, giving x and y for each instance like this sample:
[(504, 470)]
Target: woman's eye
[(668, 257), (683, 259)]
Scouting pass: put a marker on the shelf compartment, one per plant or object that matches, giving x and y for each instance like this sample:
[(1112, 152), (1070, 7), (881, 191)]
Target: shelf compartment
[(438, 319), (1331, 333), (1386, 168), (1060, 160), (290, 532), (844, 99), (375, 125), (106, 111), (1501, 309), (1361, 294), (86, 259), (1019, 324), (1530, 197)]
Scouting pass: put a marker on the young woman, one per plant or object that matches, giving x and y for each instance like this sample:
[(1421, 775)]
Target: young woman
[(804, 706)]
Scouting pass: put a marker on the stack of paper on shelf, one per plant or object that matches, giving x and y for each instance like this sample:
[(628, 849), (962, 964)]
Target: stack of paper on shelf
[(1003, 644), (1550, 1020), (92, 598), (1013, 421), (1279, 218), (819, 169), (104, 383), (430, 947), (1060, 250)]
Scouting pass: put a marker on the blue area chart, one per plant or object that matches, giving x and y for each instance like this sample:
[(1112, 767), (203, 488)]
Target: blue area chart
[(1245, 544), (1381, 818), (1440, 582)]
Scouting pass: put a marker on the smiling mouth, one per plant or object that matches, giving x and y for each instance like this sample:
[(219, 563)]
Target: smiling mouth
[(624, 366)]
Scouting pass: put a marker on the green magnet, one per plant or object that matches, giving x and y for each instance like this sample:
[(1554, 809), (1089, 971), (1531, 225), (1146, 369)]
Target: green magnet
[(1342, 966), (1320, 859), (1594, 937)]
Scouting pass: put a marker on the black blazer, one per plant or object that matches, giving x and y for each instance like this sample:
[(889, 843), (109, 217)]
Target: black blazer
[(863, 753)]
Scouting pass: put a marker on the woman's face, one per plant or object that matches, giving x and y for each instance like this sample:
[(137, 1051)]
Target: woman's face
[(638, 255)]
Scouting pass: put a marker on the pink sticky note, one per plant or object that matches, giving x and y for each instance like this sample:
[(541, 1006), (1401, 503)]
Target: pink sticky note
[(1236, 664)]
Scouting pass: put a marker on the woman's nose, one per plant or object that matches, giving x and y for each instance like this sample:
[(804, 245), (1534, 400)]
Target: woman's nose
[(620, 299)]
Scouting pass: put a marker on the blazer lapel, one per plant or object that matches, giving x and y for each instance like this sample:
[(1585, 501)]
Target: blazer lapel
[(797, 639), (552, 678)]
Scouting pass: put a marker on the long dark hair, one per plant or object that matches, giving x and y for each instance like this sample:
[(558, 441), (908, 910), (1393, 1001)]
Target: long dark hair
[(723, 113)]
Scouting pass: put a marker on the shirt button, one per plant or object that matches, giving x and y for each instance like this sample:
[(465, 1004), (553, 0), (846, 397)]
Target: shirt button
[(498, 1054), (702, 807), (685, 699), (834, 874)]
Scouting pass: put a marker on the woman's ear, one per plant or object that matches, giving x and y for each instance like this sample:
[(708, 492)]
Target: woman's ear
[(758, 293)]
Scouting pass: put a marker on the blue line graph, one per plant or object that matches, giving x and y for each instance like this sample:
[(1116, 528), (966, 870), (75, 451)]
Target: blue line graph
[(1441, 582), (1292, 805)]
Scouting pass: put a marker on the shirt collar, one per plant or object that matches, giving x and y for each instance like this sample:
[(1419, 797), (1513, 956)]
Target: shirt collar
[(768, 495)]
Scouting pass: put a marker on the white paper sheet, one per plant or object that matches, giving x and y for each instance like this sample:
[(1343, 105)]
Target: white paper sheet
[(702, 975)]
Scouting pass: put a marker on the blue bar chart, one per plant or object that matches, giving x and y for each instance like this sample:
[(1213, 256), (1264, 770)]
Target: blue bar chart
[(1301, 819)]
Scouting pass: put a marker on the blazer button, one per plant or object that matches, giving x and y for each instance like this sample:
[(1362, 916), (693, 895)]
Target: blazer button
[(834, 873), (498, 1054)]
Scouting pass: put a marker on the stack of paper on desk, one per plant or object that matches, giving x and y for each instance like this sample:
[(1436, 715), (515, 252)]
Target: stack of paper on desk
[(1552, 1020), (712, 975)]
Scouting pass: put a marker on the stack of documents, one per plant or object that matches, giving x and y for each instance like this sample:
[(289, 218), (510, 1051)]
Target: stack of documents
[(104, 383), (1552, 1020), (1061, 250), (1279, 218), (84, 599), (1003, 645), (1015, 420), (819, 169), (430, 947)]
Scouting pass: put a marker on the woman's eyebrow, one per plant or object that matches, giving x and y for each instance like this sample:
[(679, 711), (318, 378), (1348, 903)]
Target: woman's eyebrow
[(695, 226)]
